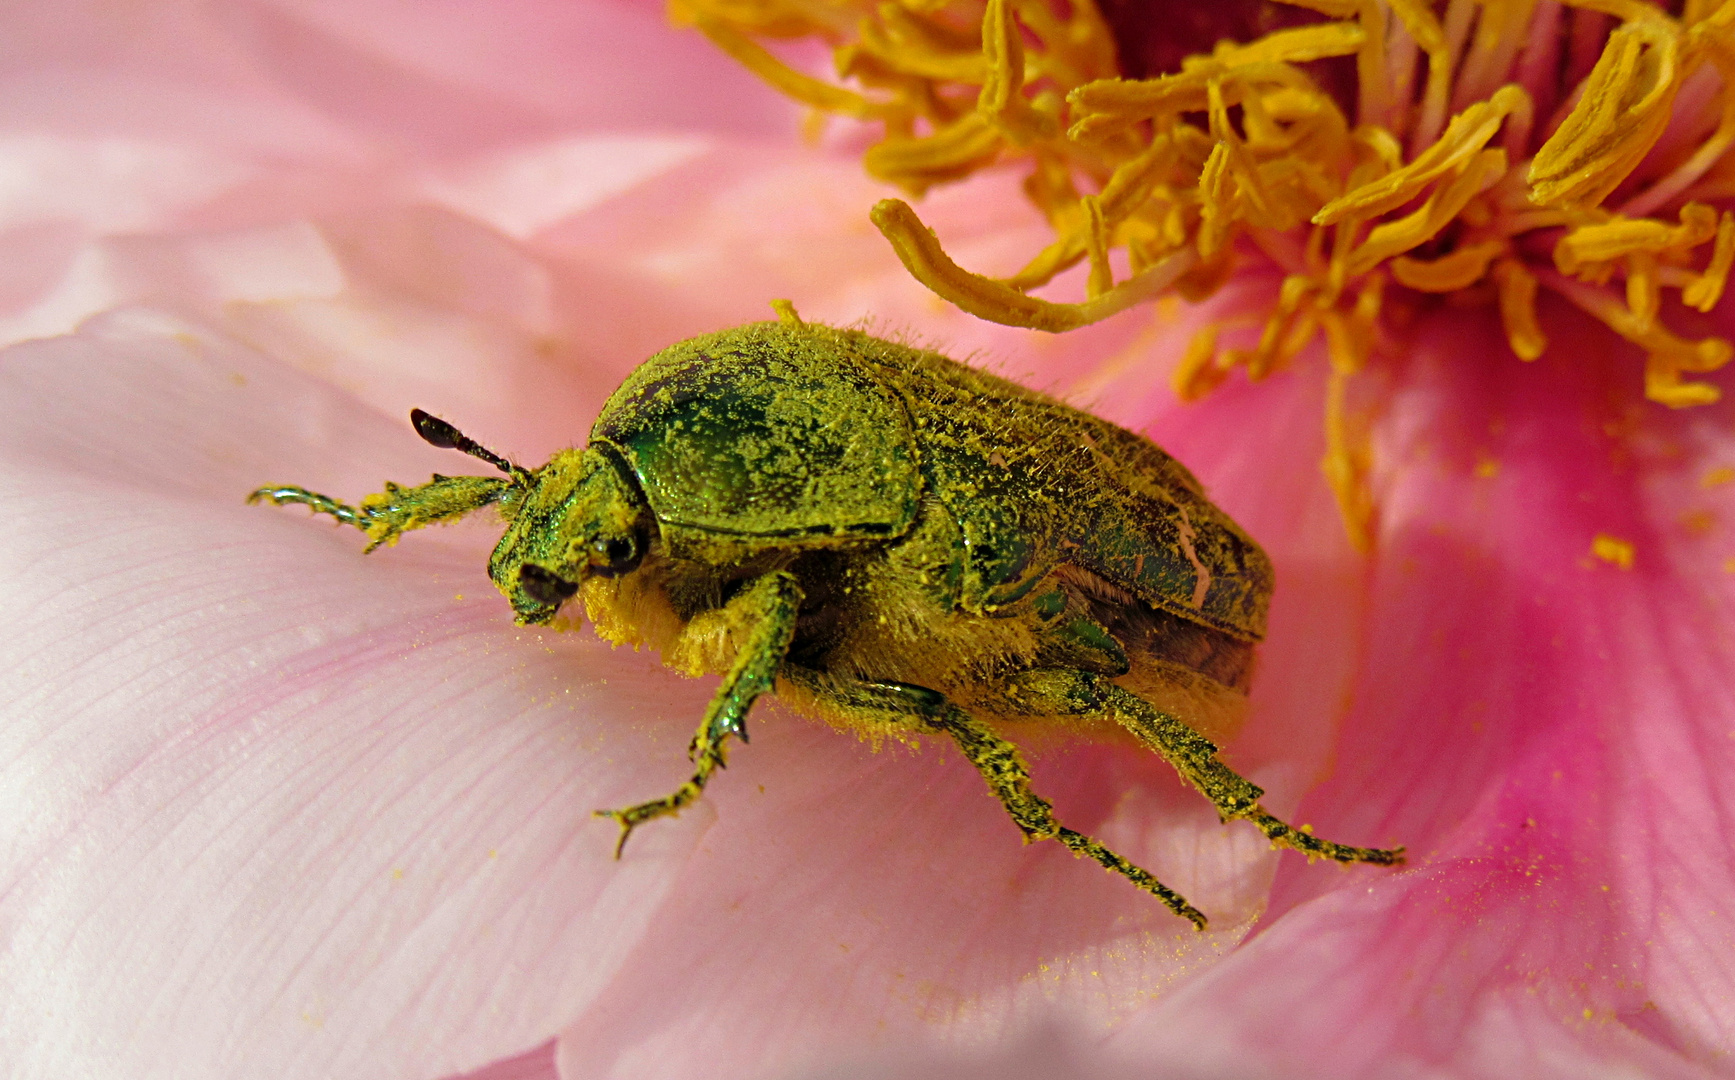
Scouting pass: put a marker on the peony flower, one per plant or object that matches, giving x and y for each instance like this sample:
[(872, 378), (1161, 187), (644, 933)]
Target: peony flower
[(277, 808)]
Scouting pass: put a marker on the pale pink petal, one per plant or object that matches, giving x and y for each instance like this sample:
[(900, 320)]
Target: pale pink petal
[(271, 806), (537, 1064)]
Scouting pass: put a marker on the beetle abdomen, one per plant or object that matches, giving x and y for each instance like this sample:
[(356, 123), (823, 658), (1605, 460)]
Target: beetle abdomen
[(1035, 483)]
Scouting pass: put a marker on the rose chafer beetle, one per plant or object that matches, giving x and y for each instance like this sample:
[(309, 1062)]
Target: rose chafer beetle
[(892, 541)]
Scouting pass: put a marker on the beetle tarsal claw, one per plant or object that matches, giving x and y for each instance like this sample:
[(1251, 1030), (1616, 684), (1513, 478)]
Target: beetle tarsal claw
[(631, 818), (669, 805), (620, 818)]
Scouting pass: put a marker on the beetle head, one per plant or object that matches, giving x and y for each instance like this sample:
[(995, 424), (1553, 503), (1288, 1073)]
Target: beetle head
[(581, 514)]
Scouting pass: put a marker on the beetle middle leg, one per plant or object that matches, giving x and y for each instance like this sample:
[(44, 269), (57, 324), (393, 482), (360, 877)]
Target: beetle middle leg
[(1081, 693), (768, 606), (999, 762)]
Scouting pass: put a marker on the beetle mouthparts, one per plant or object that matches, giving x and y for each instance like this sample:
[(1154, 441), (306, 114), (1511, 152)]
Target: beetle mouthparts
[(545, 586)]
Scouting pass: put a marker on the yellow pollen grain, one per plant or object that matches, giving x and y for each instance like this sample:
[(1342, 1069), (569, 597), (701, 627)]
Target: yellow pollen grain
[(1698, 522), (1717, 477), (1612, 550), (1451, 184)]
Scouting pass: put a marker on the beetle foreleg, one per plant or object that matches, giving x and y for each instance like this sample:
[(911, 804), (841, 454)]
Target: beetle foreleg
[(313, 500), (1001, 766), (1081, 693), (768, 607), (389, 514)]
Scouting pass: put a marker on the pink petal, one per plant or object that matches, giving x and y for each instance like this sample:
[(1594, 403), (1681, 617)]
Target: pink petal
[(1548, 733), (274, 805)]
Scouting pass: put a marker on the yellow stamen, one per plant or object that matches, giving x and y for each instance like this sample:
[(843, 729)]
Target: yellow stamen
[(1001, 101), (1449, 273), (803, 88), (1669, 355), (1396, 237), (1438, 189), (1623, 110), (1468, 133), (917, 164), (1101, 278), (1197, 375), (1705, 290), (1609, 240), (920, 251), (1346, 465), (1517, 291)]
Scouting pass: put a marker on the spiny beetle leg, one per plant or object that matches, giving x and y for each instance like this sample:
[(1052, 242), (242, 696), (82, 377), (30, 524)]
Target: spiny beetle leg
[(1000, 764), (1285, 835), (1003, 767), (767, 610), (1080, 693)]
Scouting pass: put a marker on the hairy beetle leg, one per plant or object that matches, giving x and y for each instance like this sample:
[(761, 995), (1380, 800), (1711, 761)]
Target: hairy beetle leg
[(1000, 764), (397, 510), (1081, 693), (768, 606)]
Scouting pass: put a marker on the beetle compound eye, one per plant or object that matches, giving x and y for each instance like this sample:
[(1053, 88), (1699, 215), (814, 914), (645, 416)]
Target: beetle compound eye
[(544, 586), (619, 555)]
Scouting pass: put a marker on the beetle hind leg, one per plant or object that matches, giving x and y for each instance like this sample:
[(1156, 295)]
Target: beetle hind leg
[(997, 760), (1080, 693)]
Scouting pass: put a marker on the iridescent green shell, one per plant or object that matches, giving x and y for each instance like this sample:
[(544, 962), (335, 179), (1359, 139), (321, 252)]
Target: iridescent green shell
[(786, 434)]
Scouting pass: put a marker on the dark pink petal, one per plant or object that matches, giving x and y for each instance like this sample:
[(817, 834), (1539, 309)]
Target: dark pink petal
[(1551, 736)]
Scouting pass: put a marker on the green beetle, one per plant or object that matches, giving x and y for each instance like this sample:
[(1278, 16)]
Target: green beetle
[(897, 543)]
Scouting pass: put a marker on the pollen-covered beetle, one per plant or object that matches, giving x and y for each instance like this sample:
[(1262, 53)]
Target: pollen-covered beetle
[(891, 540)]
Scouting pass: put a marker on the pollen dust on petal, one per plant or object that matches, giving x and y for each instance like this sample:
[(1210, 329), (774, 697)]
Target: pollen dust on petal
[(1612, 550)]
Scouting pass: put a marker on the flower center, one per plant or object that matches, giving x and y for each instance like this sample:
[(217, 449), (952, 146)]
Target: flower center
[(1485, 148)]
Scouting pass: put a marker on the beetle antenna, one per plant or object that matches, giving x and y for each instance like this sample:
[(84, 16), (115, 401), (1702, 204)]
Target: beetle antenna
[(437, 432)]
